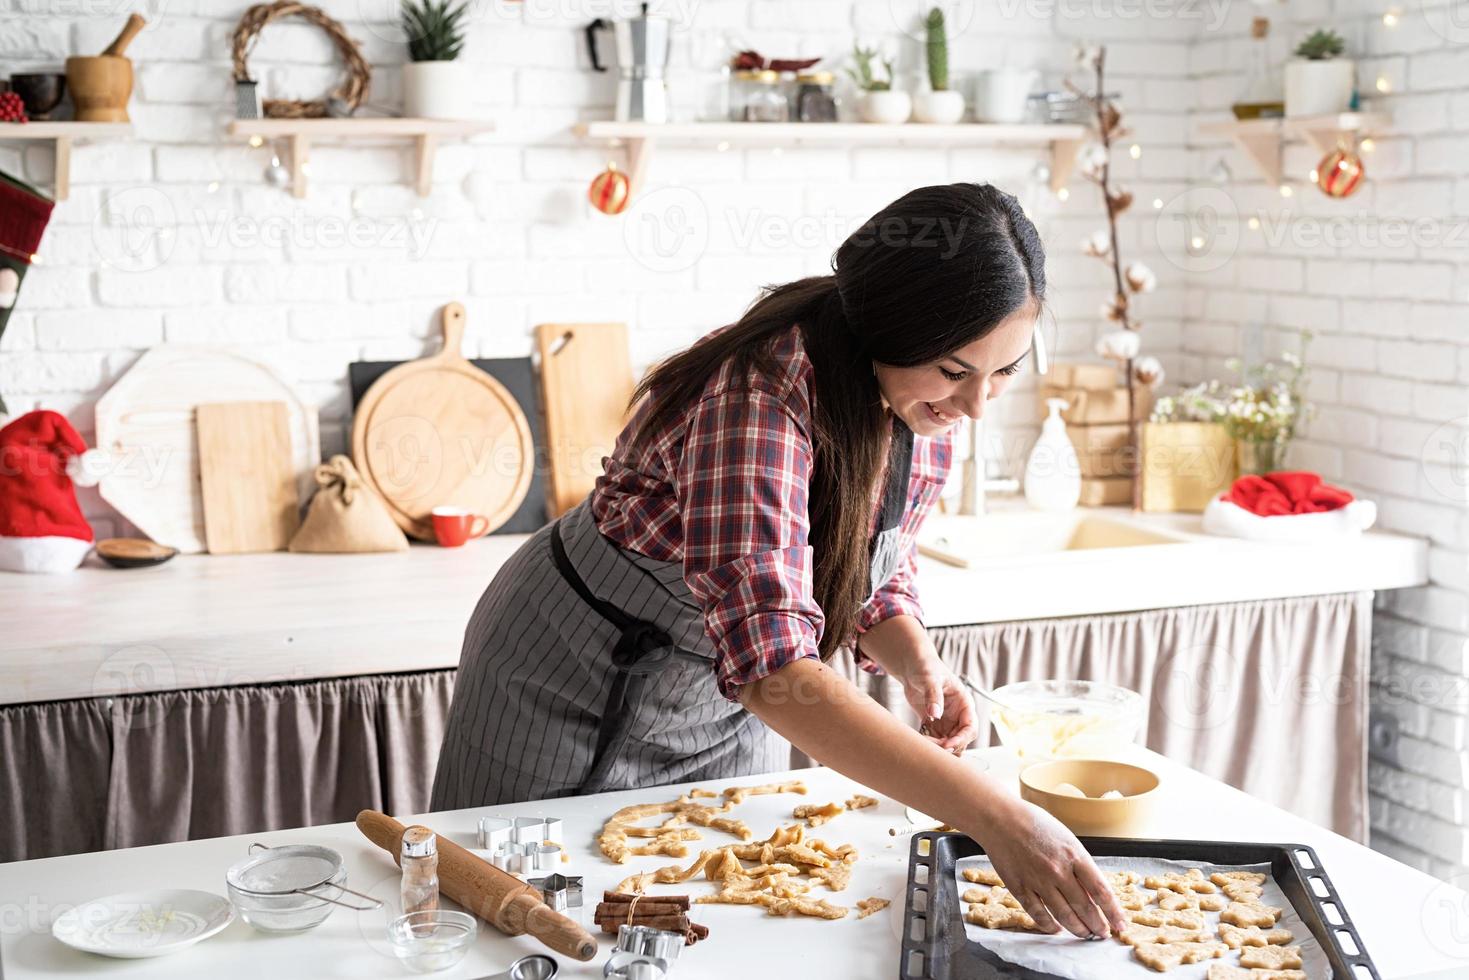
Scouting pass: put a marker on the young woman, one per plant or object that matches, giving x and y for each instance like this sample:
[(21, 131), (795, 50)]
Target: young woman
[(757, 513)]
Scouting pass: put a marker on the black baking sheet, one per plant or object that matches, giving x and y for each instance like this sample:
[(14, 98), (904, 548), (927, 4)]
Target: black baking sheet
[(935, 946)]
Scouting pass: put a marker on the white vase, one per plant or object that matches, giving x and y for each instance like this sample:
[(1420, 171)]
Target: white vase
[(1319, 88), (437, 90), (1001, 95), (885, 107), (938, 107)]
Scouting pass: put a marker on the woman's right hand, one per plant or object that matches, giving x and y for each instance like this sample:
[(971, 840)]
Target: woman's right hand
[(1048, 871)]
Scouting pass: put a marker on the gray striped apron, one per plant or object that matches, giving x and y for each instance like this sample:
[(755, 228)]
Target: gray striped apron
[(594, 673)]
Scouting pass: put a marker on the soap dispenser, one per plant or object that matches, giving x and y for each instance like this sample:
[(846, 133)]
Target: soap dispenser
[(1053, 474)]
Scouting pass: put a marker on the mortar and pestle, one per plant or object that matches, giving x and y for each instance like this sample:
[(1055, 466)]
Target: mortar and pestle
[(102, 84)]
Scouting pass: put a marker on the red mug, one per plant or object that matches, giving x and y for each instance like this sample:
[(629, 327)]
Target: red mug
[(454, 525)]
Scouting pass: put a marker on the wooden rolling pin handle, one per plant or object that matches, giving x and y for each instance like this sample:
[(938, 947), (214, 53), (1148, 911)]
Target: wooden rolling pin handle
[(129, 31), (501, 899)]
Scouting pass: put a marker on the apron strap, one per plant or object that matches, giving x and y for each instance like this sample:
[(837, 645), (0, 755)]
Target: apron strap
[(642, 648), (895, 488)]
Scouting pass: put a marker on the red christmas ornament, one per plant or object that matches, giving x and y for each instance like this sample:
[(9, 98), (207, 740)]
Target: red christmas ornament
[(610, 191), (12, 109), (1340, 172)]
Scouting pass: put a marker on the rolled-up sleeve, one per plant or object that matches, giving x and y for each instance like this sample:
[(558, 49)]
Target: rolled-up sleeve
[(741, 485)]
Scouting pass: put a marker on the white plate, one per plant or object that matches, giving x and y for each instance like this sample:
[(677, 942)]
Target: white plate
[(140, 924)]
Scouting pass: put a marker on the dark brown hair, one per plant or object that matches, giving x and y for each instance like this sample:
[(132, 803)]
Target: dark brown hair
[(930, 273)]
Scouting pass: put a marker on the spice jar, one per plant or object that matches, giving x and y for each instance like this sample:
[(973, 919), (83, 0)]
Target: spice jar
[(765, 101), (420, 863), (816, 99)]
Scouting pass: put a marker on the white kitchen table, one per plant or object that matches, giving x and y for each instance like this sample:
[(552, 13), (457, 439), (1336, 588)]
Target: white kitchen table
[(1411, 924)]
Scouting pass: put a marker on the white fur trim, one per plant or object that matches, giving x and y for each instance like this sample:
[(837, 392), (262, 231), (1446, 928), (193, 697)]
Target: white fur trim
[(50, 554), (1233, 521), (86, 470)]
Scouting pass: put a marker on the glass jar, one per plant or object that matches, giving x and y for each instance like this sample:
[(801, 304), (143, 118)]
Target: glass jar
[(816, 99), (765, 101)]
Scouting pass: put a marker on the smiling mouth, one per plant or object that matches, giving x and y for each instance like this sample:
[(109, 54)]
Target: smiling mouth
[(940, 417)]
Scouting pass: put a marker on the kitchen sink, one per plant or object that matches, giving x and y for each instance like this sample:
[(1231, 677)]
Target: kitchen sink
[(964, 540)]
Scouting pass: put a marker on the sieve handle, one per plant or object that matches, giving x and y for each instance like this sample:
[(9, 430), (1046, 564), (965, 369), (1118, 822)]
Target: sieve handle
[(374, 903)]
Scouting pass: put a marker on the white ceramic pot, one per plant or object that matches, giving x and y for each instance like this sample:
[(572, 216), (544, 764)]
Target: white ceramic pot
[(885, 107), (1318, 88), (438, 90), (938, 107), (1000, 94)]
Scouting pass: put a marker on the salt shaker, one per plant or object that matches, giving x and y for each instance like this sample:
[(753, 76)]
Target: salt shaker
[(420, 863)]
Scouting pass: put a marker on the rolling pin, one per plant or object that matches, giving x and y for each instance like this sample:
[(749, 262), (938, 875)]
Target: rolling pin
[(501, 899)]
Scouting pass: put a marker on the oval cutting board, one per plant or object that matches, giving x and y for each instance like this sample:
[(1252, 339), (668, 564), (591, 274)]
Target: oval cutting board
[(145, 423), (440, 432)]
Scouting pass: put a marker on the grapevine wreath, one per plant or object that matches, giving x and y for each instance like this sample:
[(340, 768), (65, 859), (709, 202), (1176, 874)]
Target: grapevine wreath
[(352, 91)]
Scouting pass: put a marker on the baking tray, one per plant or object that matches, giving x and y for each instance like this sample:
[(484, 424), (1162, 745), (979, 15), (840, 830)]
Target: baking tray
[(935, 946)]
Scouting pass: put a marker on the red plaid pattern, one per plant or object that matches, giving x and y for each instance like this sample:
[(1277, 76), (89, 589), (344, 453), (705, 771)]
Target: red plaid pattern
[(723, 490)]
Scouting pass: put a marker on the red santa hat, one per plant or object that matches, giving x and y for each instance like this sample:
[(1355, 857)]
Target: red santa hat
[(42, 529)]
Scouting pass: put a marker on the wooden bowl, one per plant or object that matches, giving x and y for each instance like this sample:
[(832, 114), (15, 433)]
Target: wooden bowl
[(1125, 817), (100, 87), (40, 92), (133, 552)]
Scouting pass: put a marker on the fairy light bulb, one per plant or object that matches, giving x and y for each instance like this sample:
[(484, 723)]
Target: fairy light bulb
[(1254, 223), (1157, 204), (1391, 17), (1135, 151), (1315, 176), (1285, 190), (1383, 85), (1063, 194), (1368, 145), (257, 141)]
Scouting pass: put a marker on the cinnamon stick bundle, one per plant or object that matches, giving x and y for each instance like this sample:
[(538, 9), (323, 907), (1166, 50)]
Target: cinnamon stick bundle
[(668, 912)]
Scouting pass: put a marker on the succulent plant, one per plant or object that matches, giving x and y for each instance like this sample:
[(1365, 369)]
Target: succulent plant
[(864, 75), (435, 30), (938, 50), (1321, 46)]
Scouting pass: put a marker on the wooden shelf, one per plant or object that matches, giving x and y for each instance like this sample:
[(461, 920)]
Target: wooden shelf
[(300, 133), (1261, 139), (63, 134), (640, 138)]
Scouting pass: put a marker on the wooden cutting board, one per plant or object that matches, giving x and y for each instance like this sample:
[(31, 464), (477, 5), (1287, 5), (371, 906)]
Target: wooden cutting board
[(145, 424), (440, 432), (249, 490), (586, 381)]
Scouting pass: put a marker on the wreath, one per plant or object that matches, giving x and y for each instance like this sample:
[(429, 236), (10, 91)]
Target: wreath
[(351, 92)]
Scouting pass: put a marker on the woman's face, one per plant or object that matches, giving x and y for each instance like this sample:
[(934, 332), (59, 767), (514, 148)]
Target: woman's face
[(933, 397)]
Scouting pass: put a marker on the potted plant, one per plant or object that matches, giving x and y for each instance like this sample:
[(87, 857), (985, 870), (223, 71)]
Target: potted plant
[(435, 85), (1319, 81), (941, 104), (878, 103)]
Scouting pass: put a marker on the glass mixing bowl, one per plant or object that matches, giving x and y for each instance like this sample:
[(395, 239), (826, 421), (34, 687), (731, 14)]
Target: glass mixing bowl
[(1067, 719)]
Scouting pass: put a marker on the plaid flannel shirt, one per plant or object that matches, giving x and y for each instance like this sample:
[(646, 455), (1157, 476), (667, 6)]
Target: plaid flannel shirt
[(724, 491)]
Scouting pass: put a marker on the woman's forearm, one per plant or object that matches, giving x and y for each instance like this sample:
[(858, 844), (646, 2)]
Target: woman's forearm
[(893, 644), (825, 716)]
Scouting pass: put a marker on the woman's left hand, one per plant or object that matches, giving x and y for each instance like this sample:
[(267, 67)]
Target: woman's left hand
[(942, 703)]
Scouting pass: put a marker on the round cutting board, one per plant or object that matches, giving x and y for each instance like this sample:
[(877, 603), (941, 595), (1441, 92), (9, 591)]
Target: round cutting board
[(440, 432)]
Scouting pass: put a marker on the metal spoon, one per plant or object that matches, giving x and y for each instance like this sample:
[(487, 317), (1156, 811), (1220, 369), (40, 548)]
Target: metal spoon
[(985, 693), (536, 966)]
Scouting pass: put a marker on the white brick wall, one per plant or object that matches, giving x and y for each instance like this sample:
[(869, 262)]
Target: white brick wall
[(1390, 317), (174, 236)]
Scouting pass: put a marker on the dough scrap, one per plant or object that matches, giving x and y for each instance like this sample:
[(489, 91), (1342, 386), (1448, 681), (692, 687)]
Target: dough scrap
[(817, 815), (867, 906), (737, 794), (860, 802)]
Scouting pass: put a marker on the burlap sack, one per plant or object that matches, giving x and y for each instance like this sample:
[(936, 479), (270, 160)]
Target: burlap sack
[(346, 516)]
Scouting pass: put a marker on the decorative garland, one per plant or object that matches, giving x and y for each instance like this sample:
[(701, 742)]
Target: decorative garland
[(353, 90)]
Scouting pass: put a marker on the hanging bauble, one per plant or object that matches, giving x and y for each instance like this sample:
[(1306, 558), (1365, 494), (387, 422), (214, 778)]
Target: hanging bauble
[(610, 191), (1340, 172)]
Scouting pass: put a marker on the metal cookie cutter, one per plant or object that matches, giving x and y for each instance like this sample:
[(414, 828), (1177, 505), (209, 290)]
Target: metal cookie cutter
[(643, 953), (561, 892), (534, 830), (525, 858), (494, 831)]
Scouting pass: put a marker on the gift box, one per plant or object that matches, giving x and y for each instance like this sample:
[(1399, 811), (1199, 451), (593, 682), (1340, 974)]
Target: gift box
[(1102, 450), (1097, 406), (1105, 491), (1185, 465)]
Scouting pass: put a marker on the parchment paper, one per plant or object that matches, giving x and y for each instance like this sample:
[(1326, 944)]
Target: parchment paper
[(1065, 955)]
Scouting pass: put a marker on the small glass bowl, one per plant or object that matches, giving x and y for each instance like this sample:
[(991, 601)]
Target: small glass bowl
[(426, 942)]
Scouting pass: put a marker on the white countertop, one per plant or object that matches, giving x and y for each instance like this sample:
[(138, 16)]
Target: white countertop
[(1406, 919), (217, 620)]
